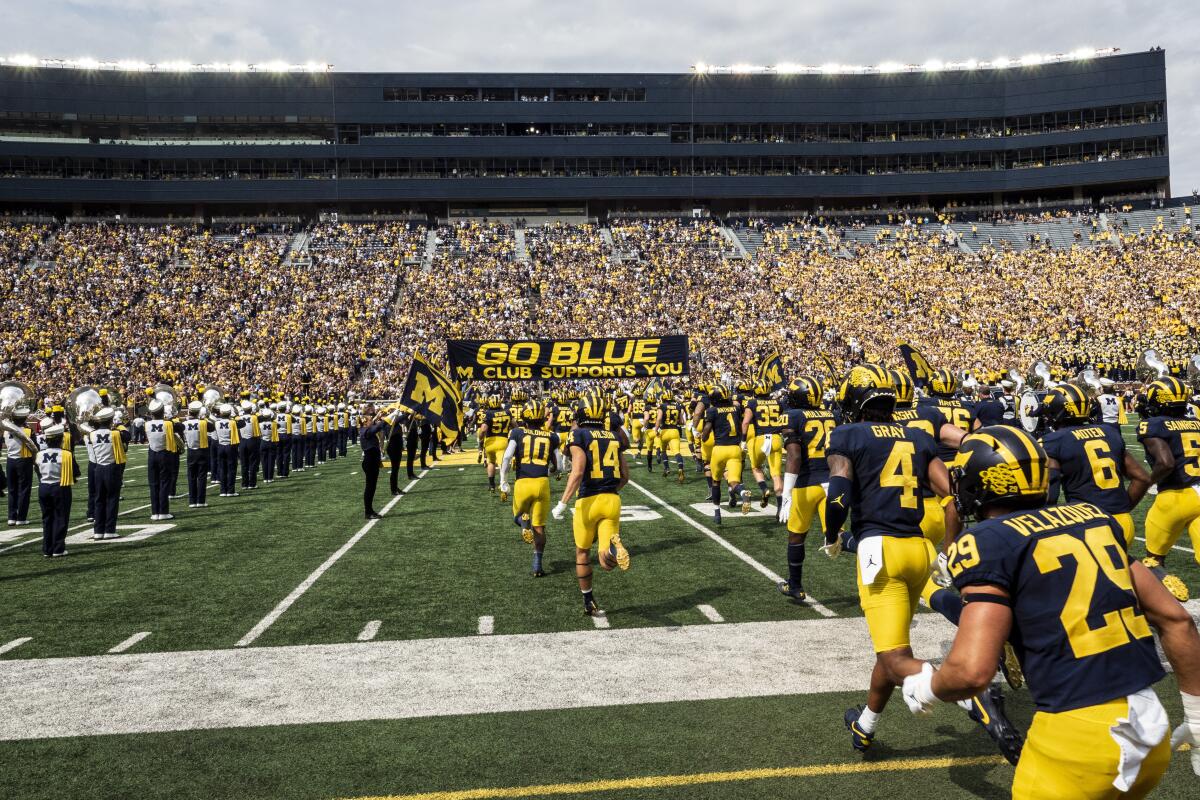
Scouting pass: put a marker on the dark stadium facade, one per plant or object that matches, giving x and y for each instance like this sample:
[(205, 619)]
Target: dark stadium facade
[(204, 142)]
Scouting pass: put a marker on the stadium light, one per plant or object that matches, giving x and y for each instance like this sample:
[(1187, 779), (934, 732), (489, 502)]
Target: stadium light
[(890, 67)]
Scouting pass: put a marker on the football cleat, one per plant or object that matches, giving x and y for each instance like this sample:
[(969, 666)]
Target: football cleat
[(539, 573), (681, 474), (491, 490), (745, 501), (1152, 563), (503, 497), (527, 534), (765, 499), (1172, 583), (796, 594), (619, 552), (717, 515), (1010, 667), (592, 609), (858, 738), (987, 708)]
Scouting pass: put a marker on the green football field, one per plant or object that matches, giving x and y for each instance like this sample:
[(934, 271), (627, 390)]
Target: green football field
[(276, 645)]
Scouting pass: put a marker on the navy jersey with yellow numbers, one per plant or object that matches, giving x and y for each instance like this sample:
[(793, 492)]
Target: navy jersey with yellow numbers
[(498, 422), (953, 412), (563, 417), (1183, 437), (1092, 461), (637, 408), (923, 418), (613, 421), (768, 416), (1077, 629), (891, 472), (602, 467), (810, 428), (724, 422), (535, 448), (669, 416)]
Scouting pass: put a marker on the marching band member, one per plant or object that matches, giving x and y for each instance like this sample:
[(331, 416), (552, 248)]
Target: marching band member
[(160, 439), (227, 450), (20, 469), (310, 436), (268, 428), (250, 444), (284, 423), (107, 449), (196, 433), (56, 475)]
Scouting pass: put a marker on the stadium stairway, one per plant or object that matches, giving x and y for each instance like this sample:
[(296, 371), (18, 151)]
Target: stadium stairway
[(956, 237), (606, 237), (297, 252), (1113, 236), (522, 249), (431, 245), (732, 237)]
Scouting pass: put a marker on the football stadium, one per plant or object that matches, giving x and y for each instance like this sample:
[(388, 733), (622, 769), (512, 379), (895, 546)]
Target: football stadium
[(738, 431)]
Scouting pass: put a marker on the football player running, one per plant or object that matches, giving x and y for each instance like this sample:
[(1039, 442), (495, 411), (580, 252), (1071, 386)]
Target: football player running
[(1057, 583), (942, 389), (534, 448), (668, 422), (493, 438), (1088, 461), (877, 470), (598, 473), (1172, 445), (807, 475), (725, 461), (764, 416)]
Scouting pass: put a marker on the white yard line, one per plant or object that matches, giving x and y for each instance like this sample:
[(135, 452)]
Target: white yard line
[(81, 526), (232, 688), (745, 557), (14, 644), (486, 625), (600, 622), (130, 642), (296, 593), (1176, 547), (370, 630), (710, 613)]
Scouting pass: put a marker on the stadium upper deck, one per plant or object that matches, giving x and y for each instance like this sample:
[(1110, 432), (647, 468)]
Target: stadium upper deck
[(112, 139)]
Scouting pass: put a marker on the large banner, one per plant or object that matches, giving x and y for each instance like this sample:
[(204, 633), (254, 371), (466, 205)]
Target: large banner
[(567, 359), (435, 397)]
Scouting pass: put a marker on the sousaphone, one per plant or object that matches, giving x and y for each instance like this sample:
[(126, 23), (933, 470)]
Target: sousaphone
[(14, 394), (82, 403)]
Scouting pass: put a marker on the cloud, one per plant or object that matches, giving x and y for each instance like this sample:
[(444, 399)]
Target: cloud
[(620, 36)]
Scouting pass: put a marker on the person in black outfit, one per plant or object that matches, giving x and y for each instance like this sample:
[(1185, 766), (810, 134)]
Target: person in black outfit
[(415, 424), (395, 450), (428, 443), (371, 459)]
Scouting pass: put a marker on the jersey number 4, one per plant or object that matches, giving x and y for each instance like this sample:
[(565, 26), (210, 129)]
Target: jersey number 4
[(604, 465), (898, 473)]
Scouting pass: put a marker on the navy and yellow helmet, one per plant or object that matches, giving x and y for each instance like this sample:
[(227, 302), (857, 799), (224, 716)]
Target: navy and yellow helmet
[(944, 383), (493, 401), (867, 387), (1165, 397), (805, 392), (534, 411), (762, 388), (719, 394), (999, 464), (519, 396), (1066, 404), (905, 390), (591, 406)]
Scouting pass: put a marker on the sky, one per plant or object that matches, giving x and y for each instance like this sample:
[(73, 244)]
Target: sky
[(619, 36)]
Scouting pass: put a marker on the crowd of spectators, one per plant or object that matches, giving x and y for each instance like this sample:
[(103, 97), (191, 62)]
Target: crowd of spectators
[(129, 306)]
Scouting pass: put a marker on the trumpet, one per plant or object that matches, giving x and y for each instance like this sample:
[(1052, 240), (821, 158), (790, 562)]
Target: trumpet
[(14, 394)]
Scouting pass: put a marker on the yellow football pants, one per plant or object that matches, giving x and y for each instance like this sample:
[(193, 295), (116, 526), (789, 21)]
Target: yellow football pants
[(1071, 756), (669, 441), (773, 458), (1173, 511), (726, 459), (805, 501), (933, 524), (890, 600), (597, 516), (1126, 523), (532, 496), (493, 449)]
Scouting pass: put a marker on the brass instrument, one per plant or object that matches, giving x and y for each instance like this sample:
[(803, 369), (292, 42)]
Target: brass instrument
[(1193, 372), (1041, 378), (82, 403), (165, 394), (211, 397), (14, 394), (1151, 367), (1018, 382), (1089, 382)]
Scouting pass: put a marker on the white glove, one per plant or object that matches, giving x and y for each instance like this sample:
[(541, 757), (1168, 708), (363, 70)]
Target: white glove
[(785, 507), (559, 510), (833, 549), (504, 487), (743, 446), (940, 572), (918, 691), (1188, 731)]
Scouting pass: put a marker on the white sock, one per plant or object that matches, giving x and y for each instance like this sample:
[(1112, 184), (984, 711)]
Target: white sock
[(867, 720)]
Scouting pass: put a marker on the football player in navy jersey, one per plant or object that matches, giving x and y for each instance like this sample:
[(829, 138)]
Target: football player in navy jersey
[(1172, 445), (598, 473), (725, 460), (1057, 583), (806, 475), (942, 388), (1089, 461), (877, 471), (534, 449)]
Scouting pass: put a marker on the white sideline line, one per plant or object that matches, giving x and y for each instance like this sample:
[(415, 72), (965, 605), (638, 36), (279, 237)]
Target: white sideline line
[(130, 642), (1175, 547), (601, 623), (710, 613), (369, 630), (14, 644), (286, 603), (745, 557), (486, 625)]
